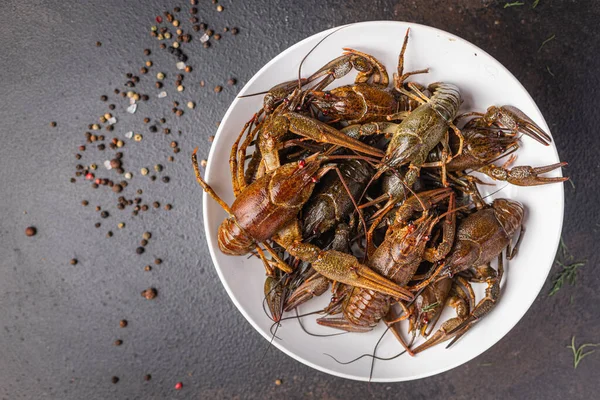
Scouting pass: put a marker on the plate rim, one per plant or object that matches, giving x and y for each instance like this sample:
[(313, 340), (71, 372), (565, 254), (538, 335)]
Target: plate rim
[(211, 241)]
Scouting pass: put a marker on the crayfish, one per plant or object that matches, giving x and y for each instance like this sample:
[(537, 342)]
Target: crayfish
[(368, 189)]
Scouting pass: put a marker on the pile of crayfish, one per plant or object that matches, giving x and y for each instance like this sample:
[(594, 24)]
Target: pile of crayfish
[(368, 189)]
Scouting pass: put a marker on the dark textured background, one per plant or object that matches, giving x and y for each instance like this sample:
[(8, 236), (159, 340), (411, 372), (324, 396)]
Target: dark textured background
[(59, 321)]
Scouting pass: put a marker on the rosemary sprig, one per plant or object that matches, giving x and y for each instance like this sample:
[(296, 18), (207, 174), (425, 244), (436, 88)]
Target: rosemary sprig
[(550, 72), (578, 353), (535, 3), (546, 41), (430, 307), (513, 4)]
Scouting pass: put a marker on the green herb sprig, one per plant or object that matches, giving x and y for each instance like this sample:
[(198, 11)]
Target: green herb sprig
[(569, 269), (513, 4), (430, 307), (578, 353), (546, 41)]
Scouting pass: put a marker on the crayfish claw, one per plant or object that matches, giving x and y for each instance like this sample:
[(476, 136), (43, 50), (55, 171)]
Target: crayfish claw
[(369, 279), (345, 268), (517, 121), (448, 330), (524, 175), (273, 290), (314, 286)]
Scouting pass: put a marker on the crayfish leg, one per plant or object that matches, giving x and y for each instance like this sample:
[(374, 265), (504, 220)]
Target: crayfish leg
[(391, 320), (400, 76), (206, 186)]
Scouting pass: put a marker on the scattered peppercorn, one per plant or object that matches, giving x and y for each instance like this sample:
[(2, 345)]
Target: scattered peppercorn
[(30, 231), (218, 89), (147, 235), (231, 81), (150, 293), (147, 268), (118, 342), (73, 261), (98, 44), (168, 207), (166, 179), (158, 261), (53, 124), (140, 250), (115, 379), (178, 386), (234, 31), (123, 323), (147, 377), (219, 8)]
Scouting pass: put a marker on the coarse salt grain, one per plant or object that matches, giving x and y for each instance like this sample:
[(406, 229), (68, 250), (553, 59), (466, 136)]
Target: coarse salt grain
[(112, 121), (131, 109), (180, 65), (204, 38), (162, 94), (107, 164), (129, 135)]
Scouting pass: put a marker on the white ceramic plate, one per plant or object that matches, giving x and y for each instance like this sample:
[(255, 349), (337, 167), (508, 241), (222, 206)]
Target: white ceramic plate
[(483, 82)]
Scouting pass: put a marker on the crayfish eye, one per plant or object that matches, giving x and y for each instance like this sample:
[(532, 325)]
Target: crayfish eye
[(301, 164)]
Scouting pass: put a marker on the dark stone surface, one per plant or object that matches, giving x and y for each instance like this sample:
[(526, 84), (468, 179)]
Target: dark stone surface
[(59, 321)]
